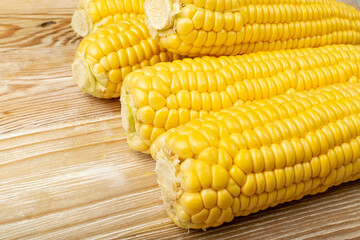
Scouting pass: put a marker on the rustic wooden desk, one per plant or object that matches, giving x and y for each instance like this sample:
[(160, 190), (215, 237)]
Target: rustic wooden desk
[(66, 171)]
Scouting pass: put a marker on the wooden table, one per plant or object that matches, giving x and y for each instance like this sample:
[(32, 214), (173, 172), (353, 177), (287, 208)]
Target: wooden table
[(66, 171)]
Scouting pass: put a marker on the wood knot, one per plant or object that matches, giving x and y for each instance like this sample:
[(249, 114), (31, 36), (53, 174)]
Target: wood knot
[(46, 24)]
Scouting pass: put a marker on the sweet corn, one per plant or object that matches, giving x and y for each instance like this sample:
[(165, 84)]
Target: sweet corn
[(93, 14), (258, 155), (105, 57), (223, 27), (158, 98)]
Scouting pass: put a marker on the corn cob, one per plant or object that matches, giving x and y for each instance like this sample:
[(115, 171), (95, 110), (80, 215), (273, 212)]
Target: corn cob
[(105, 57), (167, 95), (226, 27), (92, 14), (237, 161)]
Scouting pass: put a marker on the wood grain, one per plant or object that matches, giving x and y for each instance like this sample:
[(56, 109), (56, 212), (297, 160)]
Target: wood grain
[(36, 86), (66, 171)]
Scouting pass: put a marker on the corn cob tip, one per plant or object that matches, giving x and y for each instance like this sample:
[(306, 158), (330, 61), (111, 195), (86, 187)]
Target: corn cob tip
[(160, 14), (79, 23)]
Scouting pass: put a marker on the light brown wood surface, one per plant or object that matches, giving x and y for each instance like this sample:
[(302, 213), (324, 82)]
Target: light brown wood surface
[(66, 171)]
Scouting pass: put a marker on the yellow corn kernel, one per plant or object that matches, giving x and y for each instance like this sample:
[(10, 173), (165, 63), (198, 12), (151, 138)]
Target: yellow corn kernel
[(220, 177), (191, 202), (209, 197), (214, 215), (233, 188), (224, 199), (191, 182), (182, 147), (243, 161), (209, 155), (200, 217), (203, 171)]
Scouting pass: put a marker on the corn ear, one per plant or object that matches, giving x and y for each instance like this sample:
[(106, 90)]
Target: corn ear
[(222, 27), (240, 161), (156, 99), (105, 57)]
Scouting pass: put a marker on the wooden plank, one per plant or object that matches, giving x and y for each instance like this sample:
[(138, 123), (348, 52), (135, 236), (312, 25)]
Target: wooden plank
[(66, 171), (99, 193), (36, 31), (37, 6), (36, 85)]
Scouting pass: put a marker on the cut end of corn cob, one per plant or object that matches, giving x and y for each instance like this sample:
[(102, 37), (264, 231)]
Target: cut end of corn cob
[(219, 167), (128, 112), (168, 180), (80, 23), (85, 79), (160, 14)]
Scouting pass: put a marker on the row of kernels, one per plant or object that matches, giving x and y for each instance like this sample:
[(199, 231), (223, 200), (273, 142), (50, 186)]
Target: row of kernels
[(221, 6), (278, 155), (275, 148), (218, 6), (282, 112), (319, 60), (285, 13), (352, 55), (207, 63), (194, 18), (322, 166), (315, 185), (117, 68), (268, 68), (121, 16), (345, 37), (97, 10), (351, 51), (280, 186), (256, 70), (261, 33), (105, 45), (257, 89), (321, 77), (101, 9), (115, 19), (193, 65), (183, 99), (252, 33)]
